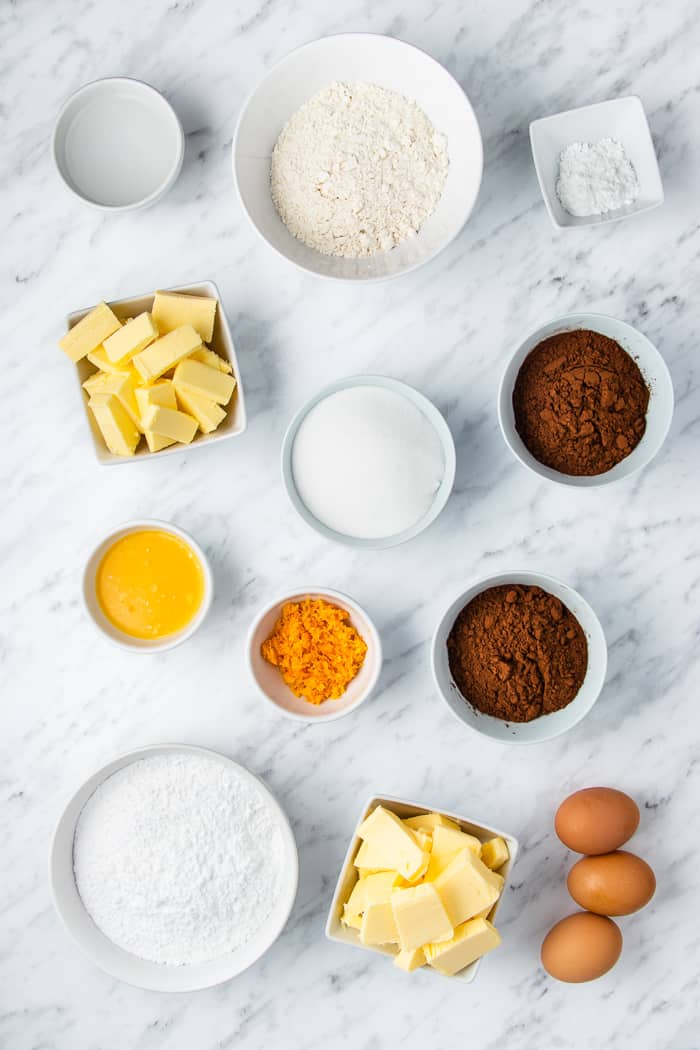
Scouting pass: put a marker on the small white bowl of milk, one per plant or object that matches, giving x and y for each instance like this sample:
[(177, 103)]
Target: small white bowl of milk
[(369, 462)]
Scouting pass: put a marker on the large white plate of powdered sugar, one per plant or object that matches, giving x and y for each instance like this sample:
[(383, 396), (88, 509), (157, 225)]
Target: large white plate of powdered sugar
[(173, 868), (358, 157)]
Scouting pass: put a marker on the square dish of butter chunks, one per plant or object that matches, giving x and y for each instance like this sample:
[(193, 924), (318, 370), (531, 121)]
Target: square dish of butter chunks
[(425, 889), (155, 376)]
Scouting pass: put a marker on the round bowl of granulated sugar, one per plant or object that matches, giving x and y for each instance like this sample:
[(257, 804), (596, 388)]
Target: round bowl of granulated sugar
[(173, 868), (328, 186)]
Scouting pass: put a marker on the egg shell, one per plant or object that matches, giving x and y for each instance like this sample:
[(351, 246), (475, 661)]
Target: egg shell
[(613, 884), (596, 820), (581, 947)]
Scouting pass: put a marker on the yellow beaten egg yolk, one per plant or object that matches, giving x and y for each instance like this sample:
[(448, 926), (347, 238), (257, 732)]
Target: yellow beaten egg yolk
[(150, 584)]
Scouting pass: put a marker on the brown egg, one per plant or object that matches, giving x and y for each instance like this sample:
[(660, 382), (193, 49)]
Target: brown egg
[(581, 947), (614, 884), (596, 820)]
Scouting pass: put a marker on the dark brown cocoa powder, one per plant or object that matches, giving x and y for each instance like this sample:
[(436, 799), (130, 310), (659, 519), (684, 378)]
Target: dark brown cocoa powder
[(580, 403), (516, 652)]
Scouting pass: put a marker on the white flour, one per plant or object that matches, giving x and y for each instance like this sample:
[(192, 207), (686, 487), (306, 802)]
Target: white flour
[(178, 859), (367, 462), (357, 170), (595, 179)]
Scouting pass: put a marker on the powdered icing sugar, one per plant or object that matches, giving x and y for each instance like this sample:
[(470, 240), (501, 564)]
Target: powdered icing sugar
[(595, 179), (178, 859)]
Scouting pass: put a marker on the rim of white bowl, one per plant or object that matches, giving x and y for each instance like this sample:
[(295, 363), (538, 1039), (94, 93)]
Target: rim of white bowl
[(374, 640), (434, 416), (537, 579), (98, 778), (375, 279), (573, 322), (166, 184), (105, 629)]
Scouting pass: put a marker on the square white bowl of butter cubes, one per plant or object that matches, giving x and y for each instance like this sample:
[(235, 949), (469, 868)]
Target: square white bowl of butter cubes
[(158, 373), (422, 886)]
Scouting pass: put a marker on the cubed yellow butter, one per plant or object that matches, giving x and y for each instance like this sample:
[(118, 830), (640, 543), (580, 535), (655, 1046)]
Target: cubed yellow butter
[(379, 887), (123, 386), (207, 413), (157, 358), (357, 901), (420, 916), (351, 918), (467, 887), (99, 359), (424, 839), (494, 853), (134, 336), (156, 442), (410, 960), (388, 844), (209, 357), (116, 426), (170, 423), (192, 377), (471, 940), (161, 393), (429, 821), (447, 843), (93, 383), (88, 334), (171, 310), (378, 925)]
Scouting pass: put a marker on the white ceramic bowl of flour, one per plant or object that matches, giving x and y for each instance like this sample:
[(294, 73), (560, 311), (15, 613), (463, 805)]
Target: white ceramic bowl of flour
[(349, 467), (358, 58), (125, 965)]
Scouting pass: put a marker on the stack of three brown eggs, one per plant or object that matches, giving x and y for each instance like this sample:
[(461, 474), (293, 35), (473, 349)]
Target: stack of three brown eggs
[(606, 881)]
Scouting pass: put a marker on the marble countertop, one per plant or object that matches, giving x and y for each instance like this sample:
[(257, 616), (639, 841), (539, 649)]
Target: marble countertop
[(71, 702)]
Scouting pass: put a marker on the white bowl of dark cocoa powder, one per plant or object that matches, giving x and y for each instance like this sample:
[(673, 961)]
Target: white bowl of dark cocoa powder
[(585, 400), (519, 657)]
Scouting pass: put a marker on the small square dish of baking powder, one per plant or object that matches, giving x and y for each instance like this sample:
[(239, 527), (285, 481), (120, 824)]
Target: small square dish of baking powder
[(596, 164)]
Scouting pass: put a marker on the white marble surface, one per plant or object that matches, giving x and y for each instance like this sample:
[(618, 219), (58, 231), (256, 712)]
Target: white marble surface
[(70, 701)]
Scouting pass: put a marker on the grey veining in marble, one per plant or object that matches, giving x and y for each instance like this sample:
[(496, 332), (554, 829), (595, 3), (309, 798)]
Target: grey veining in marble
[(70, 701)]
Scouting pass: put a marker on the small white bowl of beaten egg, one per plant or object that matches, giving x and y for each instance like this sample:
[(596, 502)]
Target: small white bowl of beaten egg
[(147, 586)]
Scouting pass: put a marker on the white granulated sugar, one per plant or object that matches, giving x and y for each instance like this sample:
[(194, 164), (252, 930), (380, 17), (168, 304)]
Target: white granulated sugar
[(178, 859), (357, 170), (367, 462), (595, 179)]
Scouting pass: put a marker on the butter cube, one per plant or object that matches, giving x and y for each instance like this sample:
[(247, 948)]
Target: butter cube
[(471, 940), (122, 385), (389, 845), (156, 442), (410, 960), (94, 382), (447, 843), (467, 887), (136, 335), (170, 423), (171, 310), (379, 887), (209, 357), (378, 925), (116, 426), (88, 334), (192, 377), (494, 853), (429, 821), (157, 358), (99, 359), (350, 918), (357, 901), (161, 393), (420, 916), (207, 413)]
